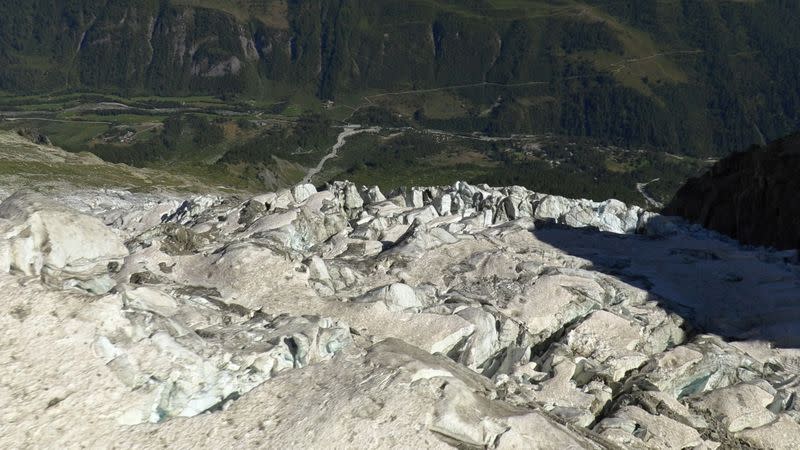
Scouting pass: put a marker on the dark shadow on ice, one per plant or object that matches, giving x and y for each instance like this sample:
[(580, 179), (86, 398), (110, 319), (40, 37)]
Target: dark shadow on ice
[(715, 284)]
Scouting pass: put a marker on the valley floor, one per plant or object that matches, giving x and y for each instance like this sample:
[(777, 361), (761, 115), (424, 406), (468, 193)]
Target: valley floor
[(246, 146)]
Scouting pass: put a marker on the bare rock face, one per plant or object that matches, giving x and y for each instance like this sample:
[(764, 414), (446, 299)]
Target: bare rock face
[(431, 317), (750, 196)]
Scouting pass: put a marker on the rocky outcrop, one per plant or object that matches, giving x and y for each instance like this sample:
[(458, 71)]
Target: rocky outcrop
[(750, 196), (430, 317)]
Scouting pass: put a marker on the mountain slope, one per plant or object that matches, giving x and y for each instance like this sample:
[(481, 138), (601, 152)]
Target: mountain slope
[(751, 196), (678, 75), (39, 166)]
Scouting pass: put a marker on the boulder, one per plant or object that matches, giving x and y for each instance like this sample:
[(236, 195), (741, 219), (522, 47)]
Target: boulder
[(782, 434), (373, 195), (413, 198), (633, 427), (610, 340), (302, 192), (738, 407)]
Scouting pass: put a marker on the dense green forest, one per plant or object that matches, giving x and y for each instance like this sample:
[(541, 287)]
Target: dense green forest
[(304, 142), (699, 77), (179, 134)]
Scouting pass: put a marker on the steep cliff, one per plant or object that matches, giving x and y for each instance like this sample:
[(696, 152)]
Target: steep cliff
[(753, 196)]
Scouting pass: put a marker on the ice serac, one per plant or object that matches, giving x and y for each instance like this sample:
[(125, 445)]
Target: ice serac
[(183, 355), (63, 247), (611, 215), (396, 297), (429, 317)]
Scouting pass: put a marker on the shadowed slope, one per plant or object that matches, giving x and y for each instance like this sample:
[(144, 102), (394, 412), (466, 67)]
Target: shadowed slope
[(751, 196)]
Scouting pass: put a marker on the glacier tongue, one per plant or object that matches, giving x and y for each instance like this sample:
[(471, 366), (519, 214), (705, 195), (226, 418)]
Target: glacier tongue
[(459, 315)]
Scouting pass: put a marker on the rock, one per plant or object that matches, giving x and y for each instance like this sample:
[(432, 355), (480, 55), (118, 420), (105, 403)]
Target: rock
[(782, 434), (302, 192), (420, 215), (352, 199), (201, 373), (149, 300), (632, 427), (738, 407), (413, 198), (251, 211), (130, 215), (703, 365), (433, 333), (272, 222), (318, 273), (269, 200), (396, 297), (443, 204), (750, 196), (552, 207), (347, 195), (553, 302), (517, 207), (362, 249), (547, 435), (611, 215), (661, 403), (177, 239), (482, 344), (243, 273), (283, 199), (62, 247), (301, 229), (657, 225), (191, 209), (674, 363), (373, 195), (562, 396), (608, 339)]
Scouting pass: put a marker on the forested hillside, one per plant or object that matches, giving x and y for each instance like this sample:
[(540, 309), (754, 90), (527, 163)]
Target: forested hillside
[(700, 77)]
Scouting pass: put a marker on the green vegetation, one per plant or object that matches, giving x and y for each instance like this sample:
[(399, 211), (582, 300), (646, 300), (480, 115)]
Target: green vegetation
[(410, 158), (688, 76), (581, 169), (249, 93), (244, 152), (24, 163), (305, 142)]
